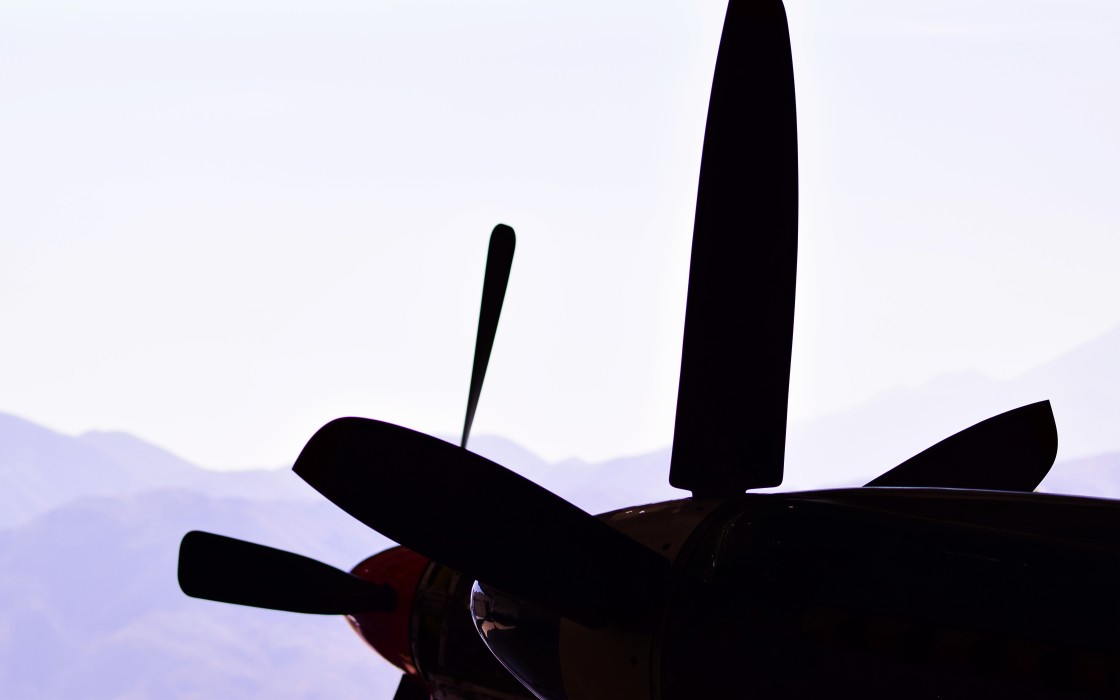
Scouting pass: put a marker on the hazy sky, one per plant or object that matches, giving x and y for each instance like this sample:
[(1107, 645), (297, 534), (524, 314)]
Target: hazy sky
[(225, 223)]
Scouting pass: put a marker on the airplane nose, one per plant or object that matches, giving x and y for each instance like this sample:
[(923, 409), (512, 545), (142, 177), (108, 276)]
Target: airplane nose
[(389, 633)]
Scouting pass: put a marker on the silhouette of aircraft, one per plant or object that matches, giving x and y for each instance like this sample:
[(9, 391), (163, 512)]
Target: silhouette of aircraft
[(945, 577)]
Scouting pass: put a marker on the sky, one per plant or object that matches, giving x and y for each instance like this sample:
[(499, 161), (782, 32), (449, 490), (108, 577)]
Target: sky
[(226, 223)]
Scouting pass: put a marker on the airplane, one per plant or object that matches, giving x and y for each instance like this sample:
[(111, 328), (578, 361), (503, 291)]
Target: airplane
[(945, 577)]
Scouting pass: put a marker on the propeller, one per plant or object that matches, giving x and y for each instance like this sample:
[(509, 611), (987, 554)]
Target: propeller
[(228, 570), (1009, 452), (505, 530), (499, 260), (215, 567), (738, 332), (482, 519), (486, 522), (738, 329)]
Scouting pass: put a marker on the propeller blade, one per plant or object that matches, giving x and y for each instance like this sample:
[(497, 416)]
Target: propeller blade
[(1009, 452), (499, 260), (738, 329), (227, 570), (479, 518)]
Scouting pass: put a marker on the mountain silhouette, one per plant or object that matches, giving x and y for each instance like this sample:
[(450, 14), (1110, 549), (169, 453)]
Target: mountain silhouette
[(90, 526)]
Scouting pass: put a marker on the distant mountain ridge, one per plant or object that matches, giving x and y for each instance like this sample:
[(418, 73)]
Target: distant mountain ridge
[(854, 446), (42, 469), (90, 526), (90, 607)]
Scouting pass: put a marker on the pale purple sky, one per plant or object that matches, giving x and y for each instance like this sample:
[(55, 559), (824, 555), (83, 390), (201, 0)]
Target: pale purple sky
[(225, 223)]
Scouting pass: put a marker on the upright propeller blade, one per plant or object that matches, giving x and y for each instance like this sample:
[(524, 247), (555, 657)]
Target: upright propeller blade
[(1009, 452), (479, 518), (228, 570), (738, 330), (499, 260)]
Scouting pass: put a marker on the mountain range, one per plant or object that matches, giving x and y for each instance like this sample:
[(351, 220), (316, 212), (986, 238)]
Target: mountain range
[(90, 525)]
